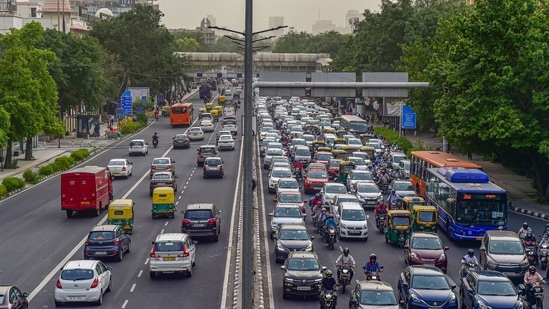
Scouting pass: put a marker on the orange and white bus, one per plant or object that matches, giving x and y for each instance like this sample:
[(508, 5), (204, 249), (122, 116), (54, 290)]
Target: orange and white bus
[(181, 114), (423, 160)]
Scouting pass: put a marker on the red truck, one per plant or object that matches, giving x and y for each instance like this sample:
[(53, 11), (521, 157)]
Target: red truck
[(86, 188)]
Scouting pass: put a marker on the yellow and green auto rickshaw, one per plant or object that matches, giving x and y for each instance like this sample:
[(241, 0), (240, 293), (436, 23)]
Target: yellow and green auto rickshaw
[(317, 144), (347, 148), (209, 107), (120, 212), (410, 201), (341, 134), (215, 114), (424, 218), (219, 109), (340, 154), (371, 151), (345, 168), (201, 111), (365, 138), (163, 202), (326, 130), (221, 100), (398, 226), (165, 111)]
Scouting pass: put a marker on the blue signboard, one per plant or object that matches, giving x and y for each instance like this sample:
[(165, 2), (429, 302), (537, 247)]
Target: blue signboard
[(139, 110), (119, 113), (126, 2), (126, 101), (199, 75), (219, 74), (408, 118)]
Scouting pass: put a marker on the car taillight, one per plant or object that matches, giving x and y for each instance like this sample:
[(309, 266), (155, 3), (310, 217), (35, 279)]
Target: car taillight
[(168, 167), (87, 242), (95, 283), (58, 284), (124, 168), (215, 153), (116, 241), (204, 167), (153, 167), (212, 221), (186, 222), (185, 252), (221, 167), (153, 253)]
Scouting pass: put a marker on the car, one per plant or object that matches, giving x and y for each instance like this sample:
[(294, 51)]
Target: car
[(204, 152), (213, 167), (172, 253), (422, 286), (322, 157), (264, 144), (354, 142), (107, 241), (287, 184), (290, 238), (138, 146), (341, 198), (202, 220), (333, 168), (314, 180), (285, 214), (225, 142), (302, 274), (162, 179), (367, 193), (330, 190), (373, 294), (488, 289), (207, 125), (403, 188), (11, 297), (302, 154), (352, 221), (283, 160), (503, 251), (82, 281), (358, 176), (360, 164), (396, 157), (164, 164), (405, 166), (120, 168), (275, 175), (290, 197), (269, 154), (181, 141), (221, 133), (196, 134), (423, 248)]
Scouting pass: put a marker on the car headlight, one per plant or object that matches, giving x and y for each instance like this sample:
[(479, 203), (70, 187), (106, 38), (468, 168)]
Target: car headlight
[(491, 262), (482, 305), (309, 247), (288, 279), (442, 257), (414, 298), (413, 256), (343, 226), (365, 226), (280, 247), (453, 298)]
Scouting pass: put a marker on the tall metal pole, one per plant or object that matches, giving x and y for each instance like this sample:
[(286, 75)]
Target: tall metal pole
[(247, 229), (58, 20)]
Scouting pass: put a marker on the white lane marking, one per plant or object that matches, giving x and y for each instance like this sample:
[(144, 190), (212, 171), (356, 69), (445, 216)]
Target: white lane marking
[(124, 304), (231, 235), (166, 224), (133, 288), (162, 231), (140, 273), (64, 261), (146, 261)]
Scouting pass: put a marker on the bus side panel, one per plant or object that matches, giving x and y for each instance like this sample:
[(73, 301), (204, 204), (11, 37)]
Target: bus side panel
[(419, 185)]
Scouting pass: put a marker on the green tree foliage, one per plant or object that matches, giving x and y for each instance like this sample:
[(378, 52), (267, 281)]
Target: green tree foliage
[(187, 45), (144, 48), (293, 42), (494, 91)]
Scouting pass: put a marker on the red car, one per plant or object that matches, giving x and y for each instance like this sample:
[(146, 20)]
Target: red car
[(333, 168), (314, 180), (423, 248), (323, 157)]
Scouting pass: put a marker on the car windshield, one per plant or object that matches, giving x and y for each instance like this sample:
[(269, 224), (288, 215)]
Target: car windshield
[(505, 247), (430, 282), (426, 243), (346, 199), (101, 235), (397, 159), (303, 264), (403, 186), (400, 221), (335, 163), (427, 216), (225, 138), (135, 143), (293, 235), (288, 184), (290, 198), (212, 162), (353, 215), (274, 152), (317, 174), (336, 189), (181, 136), (496, 288), (366, 188), (354, 141), (361, 176), (275, 145), (198, 214), (324, 156), (161, 161), (303, 152), (168, 246), (77, 274), (207, 149), (377, 298), (292, 212), (117, 162), (195, 129), (161, 176), (357, 161)]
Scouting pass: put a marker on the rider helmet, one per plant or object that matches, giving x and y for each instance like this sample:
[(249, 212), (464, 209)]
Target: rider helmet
[(471, 252), (532, 269), (330, 216), (525, 225), (346, 251), (529, 232), (373, 257), (328, 273), (317, 195), (393, 191)]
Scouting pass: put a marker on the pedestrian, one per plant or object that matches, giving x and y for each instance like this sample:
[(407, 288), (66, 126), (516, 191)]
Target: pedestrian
[(469, 156), (96, 130)]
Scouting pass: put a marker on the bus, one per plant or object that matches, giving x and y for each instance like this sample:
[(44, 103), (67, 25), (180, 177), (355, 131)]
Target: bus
[(205, 91), (468, 204), (422, 160), (353, 124), (181, 114)]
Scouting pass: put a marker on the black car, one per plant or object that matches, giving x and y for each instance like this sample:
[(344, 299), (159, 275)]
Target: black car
[(181, 141), (162, 179), (488, 289), (302, 275), (202, 220), (290, 238), (107, 241)]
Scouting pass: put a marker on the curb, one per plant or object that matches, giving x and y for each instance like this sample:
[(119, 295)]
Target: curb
[(530, 213)]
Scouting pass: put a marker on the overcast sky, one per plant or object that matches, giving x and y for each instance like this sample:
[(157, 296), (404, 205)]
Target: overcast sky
[(300, 14)]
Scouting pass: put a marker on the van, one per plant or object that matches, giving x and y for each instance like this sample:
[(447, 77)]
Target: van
[(352, 221), (172, 253), (503, 251)]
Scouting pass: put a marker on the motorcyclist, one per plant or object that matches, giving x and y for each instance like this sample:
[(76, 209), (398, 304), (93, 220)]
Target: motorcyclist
[(328, 285), (155, 137), (532, 278), (345, 258), (523, 230), (372, 266), (317, 201), (530, 236), (329, 222), (380, 207), (392, 198), (469, 258), (532, 241), (298, 168)]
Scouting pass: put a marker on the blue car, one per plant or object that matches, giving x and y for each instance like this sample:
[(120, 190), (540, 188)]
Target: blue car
[(484, 289), (424, 287)]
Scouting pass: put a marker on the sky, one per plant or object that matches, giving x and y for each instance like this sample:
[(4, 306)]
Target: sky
[(299, 14)]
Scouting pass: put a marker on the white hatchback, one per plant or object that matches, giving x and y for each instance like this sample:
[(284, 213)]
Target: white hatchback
[(138, 146), (82, 281), (196, 134), (225, 142)]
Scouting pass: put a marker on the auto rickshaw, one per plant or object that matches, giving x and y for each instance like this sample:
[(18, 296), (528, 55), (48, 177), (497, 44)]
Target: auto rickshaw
[(221, 100), (328, 130), (348, 149), (318, 143), (424, 218), (324, 148), (209, 107), (410, 201), (341, 133), (120, 212), (371, 151), (340, 154), (215, 114), (163, 202), (398, 226), (340, 141), (165, 111), (219, 110), (345, 168), (201, 111), (365, 138)]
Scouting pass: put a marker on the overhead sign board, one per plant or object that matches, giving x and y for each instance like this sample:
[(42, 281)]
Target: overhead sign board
[(282, 77), (338, 77), (408, 118), (386, 91), (126, 102)]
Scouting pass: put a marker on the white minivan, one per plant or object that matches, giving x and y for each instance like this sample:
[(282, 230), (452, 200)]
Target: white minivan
[(172, 253), (352, 221)]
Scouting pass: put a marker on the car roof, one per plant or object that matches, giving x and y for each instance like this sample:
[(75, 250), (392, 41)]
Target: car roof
[(425, 270), (138, 140), (207, 146), (118, 159), (104, 228), (334, 184), (490, 275), (402, 181), (350, 205), (289, 192), (302, 254), (80, 264), (503, 235), (346, 195), (170, 237), (161, 173), (425, 234), (287, 179), (375, 285), (196, 206), (293, 227)]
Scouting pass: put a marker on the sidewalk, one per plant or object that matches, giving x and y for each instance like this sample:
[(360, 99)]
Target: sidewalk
[(519, 188)]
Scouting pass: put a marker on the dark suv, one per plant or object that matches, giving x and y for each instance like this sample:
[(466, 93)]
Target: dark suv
[(202, 220), (302, 274), (107, 241), (203, 152), (162, 179)]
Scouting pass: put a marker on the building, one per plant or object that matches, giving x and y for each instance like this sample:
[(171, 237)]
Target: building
[(322, 26), (213, 21), (208, 35), (352, 18), (276, 21)]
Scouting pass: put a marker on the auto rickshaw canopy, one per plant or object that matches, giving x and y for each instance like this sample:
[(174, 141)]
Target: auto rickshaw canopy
[(409, 202), (425, 218), (209, 107), (399, 218), (120, 212), (340, 154)]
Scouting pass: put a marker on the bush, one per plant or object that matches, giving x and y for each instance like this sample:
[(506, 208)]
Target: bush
[(14, 163), (13, 183), (64, 162), (46, 170), (30, 176), (131, 127), (79, 154), (3, 190), (392, 137), (142, 118)]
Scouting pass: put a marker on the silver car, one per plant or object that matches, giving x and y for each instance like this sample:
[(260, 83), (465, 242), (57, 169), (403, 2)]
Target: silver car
[(82, 281), (120, 168), (404, 188), (367, 193), (330, 190), (138, 146), (285, 214)]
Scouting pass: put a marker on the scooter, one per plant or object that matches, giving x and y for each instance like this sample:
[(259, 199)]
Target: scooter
[(330, 237), (345, 276), (372, 275), (543, 255), (466, 268), (155, 142), (531, 248), (380, 223), (534, 297)]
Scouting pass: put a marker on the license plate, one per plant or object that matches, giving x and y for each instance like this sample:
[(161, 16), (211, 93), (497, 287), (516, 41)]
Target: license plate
[(479, 238), (84, 203), (303, 288), (115, 174), (101, 252), (168, 258), (199, 225), (76, 297), (354, 232)]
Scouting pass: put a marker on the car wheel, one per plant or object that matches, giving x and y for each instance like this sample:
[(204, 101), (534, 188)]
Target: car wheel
[(109, 288), (58, 304), (190, 272), (120, 256), (129, 245), (284, 295), (99, 302), (216, 238), (152, 274)]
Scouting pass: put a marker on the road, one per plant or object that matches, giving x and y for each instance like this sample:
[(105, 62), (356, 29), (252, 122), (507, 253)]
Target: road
[(37, 237)]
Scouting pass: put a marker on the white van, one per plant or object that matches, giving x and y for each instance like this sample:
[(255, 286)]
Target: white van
[(352, 221)]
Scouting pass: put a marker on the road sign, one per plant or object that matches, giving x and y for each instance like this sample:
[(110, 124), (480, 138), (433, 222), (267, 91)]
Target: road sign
[(199, 74), (408, 118), (239, 75), (126, 101), (144, 100), (119, 113), (139, 110)]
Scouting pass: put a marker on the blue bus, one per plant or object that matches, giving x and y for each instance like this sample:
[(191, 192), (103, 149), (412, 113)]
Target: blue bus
[(468, 203), (205, 91)]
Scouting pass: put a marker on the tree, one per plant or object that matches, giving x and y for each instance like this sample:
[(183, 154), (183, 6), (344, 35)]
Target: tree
[(494, 91), (292, 42), (187, 45)]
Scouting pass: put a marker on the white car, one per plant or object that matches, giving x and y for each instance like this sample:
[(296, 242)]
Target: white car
[(138, 146), (287, 185), (82, 281), (196, 134), (225, 142), (360, 164), (354, 142), (120, 167), (207, 125), (330, 190), (275, 175), (367, 193), (172, 253)]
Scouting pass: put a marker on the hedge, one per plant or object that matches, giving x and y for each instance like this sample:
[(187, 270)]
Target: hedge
[(80, 154), (402, 142), (13, 183), (142, 118), (30, 176), (3, 190), (131, 127)]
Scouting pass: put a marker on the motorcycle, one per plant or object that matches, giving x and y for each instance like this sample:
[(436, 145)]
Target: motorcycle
[(372, 275), (534, 297), (298, 175), (345, 276), (328, 300), (466, 268), (155, 142), (380, 223), (330, 237), (531, 248), (543, 254)]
